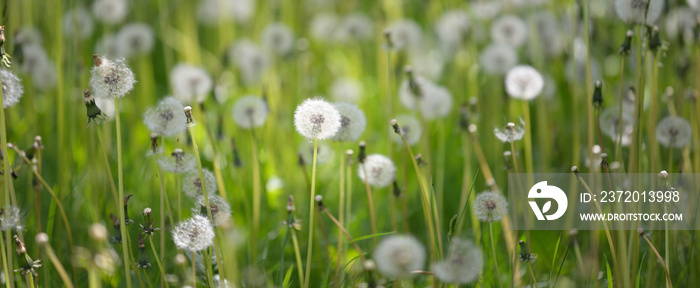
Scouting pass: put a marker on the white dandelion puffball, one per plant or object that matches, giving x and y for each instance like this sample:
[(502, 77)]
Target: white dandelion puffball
[(10, 218), (107, 46), (610, 124), (249, 59), (404, 35), (250, 112), (135, 39), (511, 132), (524, 82), (509, 30), (45, 76), (463, 265), (354, 27), (213, 12), (673, 132), (220, 209), (680, 23), (398, 256), (322, 27), (498, 59), (486, 10), (452, 28), (428, 64), (167, 119), (107, 107), (437, 105), (324, 152), (279, 38), (352, 122), (12, 89), (379, 168), (110, 11), (194, 234), (192, 184), (411, 129), (178, 162), (346, 89), (78, 22), (490, 206), (552, 41), (633, 11), (34, 57), (316, 119), (414, 89), (111, 79), (28, 35), (190, 83)]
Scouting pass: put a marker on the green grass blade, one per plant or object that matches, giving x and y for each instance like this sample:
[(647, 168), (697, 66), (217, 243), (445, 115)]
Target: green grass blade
[(609, 273), (639, 273), (554, 258), (371, 236)]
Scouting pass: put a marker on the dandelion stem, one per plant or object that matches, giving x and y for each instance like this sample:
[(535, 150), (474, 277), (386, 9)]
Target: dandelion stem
[(4, 259), (309, 249), (532, 274), (6, 175), (618, 143), (341, 211), (297, 255), (495, 257), (160, 266), (194, 273), (256, 194), (59, 267), (370, 203), (661, 260), (120, 172), (341, 229), (109, 169)]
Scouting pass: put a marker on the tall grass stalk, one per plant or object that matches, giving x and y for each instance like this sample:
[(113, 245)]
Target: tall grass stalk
[(256, 194), (618, 143), (5, 263), (6, 183), (122, 221), (341, 210), (310, 248), (370, 203)]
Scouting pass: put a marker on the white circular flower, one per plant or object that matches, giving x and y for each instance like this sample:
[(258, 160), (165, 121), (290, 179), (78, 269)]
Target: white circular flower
[(190, 83), (354, 27), (28, 35), (192, 183), (673, 132), (220, 209), (410, 128), (414, 89), (45, 76), (633, 11), (398, 256), (524, 82), (548, 31), (437, 105), (250, 112), (10, 218), (509, 30), (213, 12), (324, 152), (352, 122), (322, 27), (166, 119), (316, 118), (278, 38), (111, 78), (490, 206), (498, 59), (346, 89), (178, 162), (12, 89), (610, 124), (110, 11), (77, 22), (380, 169), (463, 265), (510, 133), (107, 46), (249, 60), (452, 28), (681, 22), (404, 34), (34, 57), (194, 234), (135, 39)]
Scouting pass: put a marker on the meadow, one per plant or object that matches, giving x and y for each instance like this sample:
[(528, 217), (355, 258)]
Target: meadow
[(338, 143)]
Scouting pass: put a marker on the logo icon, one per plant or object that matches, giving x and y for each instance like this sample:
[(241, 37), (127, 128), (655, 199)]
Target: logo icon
[(542, 190)]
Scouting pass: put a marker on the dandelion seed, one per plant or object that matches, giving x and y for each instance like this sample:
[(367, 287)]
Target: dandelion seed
[(490, 206), (12, 89), (166, 118), (636, 11), (381, 171), (111, 79), (497, 59), (354, 27), (509, 30), (352, 122), (135, 39), (192, 184), (220, 209), (317, 119), (110, 11), (190, 83), (346, 89), (411, 130), (524, 82), (673, 132), (463, 265), (249, 60), (398, 256), (250, 112), (324, 153), (194, 234), (511, 132), (404, 34), (9, 218), (279, 38), (77, 22)]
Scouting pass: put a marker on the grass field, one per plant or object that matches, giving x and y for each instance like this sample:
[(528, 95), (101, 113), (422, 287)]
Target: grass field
[(189, 121)]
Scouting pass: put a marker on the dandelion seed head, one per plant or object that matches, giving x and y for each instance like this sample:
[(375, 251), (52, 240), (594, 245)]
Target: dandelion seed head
[(352, 122), (437, 105), (324, 152), (98, 232), (107, 46), (346, 89), (220, 209), (111, 78), (323, 27), (490, 206), (680, 23), (463, 265), (135, 39), (167, 118), (673, 132), (249, 59), (404, 34), (192, 183), (510, 133), (12, 89), (10, 218), (77, 22), (486, 10), (398, 256), (451, 28), (524, 82), (110, 11), (190, 83), (381, 171), (250, 112), (633, 11), (414, 88), (316, 118), (28, 35), (45, 76), (498, 59), (194, 234), (213, 12), (279, 38), (509, 30), (354, 27), (411, 129)]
